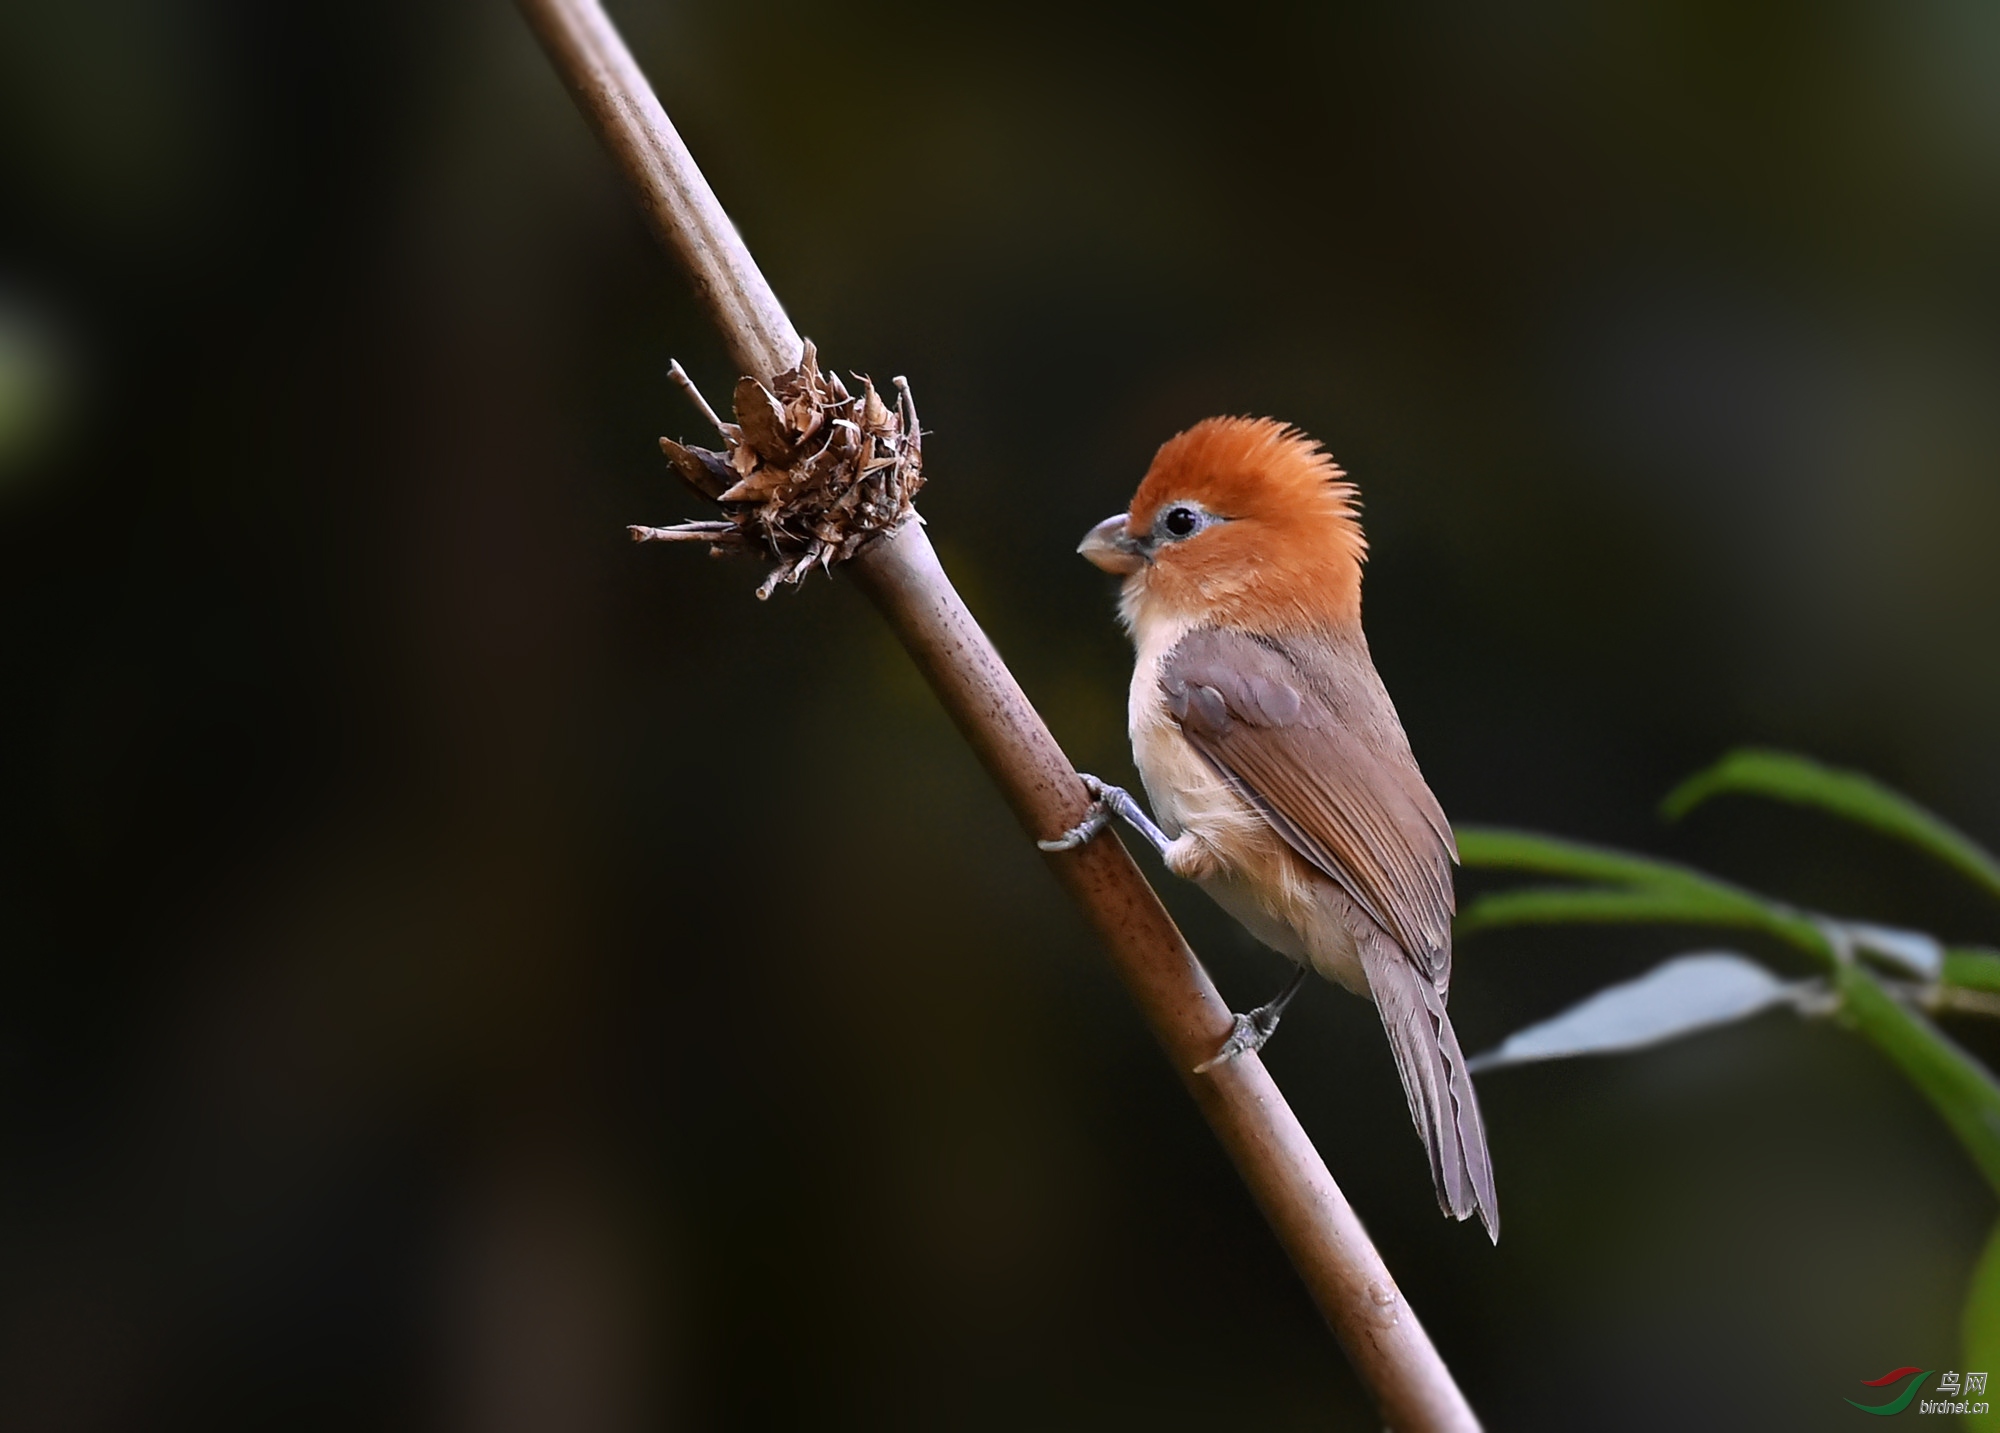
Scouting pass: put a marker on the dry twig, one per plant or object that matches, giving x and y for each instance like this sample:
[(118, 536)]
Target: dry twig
[(900, 572)]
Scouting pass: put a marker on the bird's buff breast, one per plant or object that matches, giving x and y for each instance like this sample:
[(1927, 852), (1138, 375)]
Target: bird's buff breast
[(1226, 845)]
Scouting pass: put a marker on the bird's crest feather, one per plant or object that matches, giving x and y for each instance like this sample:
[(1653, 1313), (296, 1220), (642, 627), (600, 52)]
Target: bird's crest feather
[(1292, 548)]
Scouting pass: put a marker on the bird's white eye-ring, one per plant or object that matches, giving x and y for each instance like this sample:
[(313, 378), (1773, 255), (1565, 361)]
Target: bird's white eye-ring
[(1181, 521)]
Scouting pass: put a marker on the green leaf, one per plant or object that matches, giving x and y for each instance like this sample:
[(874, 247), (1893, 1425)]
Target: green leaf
[(1640, 889), (1783, 776), (1958, 1086), (1979, 1325), (1499, 849), (1677, 998), (1972, 969), (1609, 905)]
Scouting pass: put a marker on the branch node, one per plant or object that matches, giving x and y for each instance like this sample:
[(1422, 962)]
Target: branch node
[(807, 473)]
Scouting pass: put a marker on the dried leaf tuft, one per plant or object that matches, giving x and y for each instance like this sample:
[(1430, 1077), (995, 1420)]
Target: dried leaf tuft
[(807, 473)]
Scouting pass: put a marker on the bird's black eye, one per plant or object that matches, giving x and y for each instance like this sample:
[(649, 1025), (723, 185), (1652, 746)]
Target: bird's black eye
[(1180, 522)]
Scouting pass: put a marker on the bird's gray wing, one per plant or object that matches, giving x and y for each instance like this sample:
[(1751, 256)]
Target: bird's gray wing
[(1304, 730)]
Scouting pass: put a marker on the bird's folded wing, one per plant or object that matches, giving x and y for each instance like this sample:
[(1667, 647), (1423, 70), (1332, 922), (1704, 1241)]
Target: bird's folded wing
[(1305, 731)]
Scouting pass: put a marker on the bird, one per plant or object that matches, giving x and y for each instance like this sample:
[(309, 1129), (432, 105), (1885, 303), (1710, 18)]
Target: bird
[(1270, 752)]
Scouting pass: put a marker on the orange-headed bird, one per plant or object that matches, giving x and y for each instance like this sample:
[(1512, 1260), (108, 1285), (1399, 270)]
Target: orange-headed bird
[(1274, 759)]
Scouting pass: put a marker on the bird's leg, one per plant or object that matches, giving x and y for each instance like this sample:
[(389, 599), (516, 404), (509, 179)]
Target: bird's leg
[(1108, 801), (1252, 1030)]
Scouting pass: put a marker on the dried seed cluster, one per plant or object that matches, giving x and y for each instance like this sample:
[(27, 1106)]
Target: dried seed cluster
[(807, 472)]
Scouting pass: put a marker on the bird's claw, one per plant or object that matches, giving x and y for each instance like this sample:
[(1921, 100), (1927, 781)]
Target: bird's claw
[(1095, 819), (1107, 801), (1248, 1033)]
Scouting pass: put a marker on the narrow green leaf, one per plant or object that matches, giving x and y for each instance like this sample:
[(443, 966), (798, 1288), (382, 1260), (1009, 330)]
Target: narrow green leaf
[(1979, 1325), (1960, 1088), (1640, 889), (1499, 849), (1675, 999), (1608, 905), (1784, 776), (1972, 969)]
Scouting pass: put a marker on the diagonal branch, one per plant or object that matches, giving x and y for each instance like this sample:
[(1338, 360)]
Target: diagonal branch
[(900, 572)]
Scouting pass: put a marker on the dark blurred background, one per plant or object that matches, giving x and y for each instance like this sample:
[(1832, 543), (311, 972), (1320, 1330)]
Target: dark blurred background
[(465, 972)]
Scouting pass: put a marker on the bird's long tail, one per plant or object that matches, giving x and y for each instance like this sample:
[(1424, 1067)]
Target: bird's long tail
[(1436, 1082)]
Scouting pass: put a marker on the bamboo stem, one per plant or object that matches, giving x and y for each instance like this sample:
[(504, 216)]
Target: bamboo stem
[(1312, 1219)]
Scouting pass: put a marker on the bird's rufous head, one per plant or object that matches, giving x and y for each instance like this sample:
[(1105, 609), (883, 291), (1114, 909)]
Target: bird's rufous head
[(1242, 521)]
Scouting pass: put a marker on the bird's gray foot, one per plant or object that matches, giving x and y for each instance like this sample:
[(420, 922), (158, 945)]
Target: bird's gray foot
[(1107, 801), (1252, 1030)]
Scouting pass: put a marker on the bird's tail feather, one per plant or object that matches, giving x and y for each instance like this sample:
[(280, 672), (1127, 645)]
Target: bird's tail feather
[(1436, 1082)]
